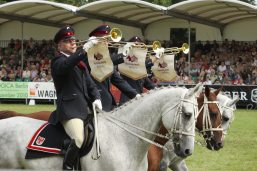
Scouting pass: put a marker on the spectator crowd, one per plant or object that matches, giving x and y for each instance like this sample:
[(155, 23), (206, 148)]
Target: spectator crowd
[(227, 63), (36, 61)]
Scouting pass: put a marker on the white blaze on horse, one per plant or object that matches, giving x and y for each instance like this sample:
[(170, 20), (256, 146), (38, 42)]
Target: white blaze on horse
[(175, 108), (228, 107)]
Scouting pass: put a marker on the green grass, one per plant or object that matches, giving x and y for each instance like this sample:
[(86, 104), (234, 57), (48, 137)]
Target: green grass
[(22, 108), (240, 146)]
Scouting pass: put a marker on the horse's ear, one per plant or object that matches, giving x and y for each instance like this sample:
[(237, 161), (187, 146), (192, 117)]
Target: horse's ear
[(233, 101), (207, 91), (216, 92), (196, 90)]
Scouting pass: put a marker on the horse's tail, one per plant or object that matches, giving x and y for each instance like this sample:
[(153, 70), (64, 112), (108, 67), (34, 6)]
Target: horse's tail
[(7, 114)]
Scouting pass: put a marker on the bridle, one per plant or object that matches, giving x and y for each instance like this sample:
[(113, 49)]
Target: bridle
[(177, 126), (232, 110), (207, 126)]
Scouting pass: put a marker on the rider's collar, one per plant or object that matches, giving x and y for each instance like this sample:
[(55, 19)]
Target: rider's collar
[(65, 54)]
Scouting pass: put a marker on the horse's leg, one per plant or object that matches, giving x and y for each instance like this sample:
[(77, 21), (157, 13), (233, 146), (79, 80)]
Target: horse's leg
[(154, 157), (179, 165)]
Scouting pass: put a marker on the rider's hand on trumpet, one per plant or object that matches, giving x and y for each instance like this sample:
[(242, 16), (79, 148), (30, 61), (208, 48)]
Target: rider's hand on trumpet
[(91, 42), (127, 49), (159, 52)]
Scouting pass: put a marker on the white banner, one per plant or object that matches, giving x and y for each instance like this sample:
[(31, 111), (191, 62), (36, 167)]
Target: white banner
[(134, 64), (100, 62), (163, 68), (38, 90)]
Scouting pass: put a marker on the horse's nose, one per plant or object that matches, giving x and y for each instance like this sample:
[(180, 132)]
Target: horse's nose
[(220, 145), (188, 152)]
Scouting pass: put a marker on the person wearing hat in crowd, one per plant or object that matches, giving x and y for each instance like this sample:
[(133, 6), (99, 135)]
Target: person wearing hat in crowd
[(236, 81), (75, 89), (108, 99), (139, 84)]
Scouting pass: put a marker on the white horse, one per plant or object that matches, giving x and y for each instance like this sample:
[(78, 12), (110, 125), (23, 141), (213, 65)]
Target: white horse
[(120, 150), (175, 163)]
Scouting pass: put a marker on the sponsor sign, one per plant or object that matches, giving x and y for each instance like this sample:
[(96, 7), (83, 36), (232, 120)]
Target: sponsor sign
[(38, 90), (247, 94), (14, 90)]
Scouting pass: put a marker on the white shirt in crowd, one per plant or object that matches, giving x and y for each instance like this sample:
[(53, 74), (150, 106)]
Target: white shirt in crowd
[(26, 74), (222, 68), (207, 82)]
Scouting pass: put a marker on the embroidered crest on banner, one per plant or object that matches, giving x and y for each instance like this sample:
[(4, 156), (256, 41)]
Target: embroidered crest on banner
[(40, 140), (134, 64), (163, 68), (100, 62)]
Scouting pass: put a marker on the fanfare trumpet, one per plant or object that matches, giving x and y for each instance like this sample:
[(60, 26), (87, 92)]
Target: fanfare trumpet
[(184, 48), (115, 35), (156, 45)]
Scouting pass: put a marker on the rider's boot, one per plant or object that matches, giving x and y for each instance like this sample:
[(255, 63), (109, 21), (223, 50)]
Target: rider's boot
[(70, 156)]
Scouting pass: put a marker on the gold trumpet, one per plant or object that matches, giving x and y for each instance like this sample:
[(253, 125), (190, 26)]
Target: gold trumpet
[(184, 48), (156, 45), (115, 34)]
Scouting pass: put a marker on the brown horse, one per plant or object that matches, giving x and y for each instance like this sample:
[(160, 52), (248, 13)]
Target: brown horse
[(155, 153), (43, 115)]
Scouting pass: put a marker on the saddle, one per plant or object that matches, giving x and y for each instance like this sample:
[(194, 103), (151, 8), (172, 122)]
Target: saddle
[(50, 140)]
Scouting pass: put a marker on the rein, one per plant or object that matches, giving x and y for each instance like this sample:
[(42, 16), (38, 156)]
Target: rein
[(177, 117), (207, 122)]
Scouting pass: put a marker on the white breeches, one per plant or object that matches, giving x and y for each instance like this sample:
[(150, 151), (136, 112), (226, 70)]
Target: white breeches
[(75, 129)]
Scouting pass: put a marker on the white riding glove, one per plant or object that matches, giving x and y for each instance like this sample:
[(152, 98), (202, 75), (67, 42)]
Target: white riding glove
[(92, 41), (98, 104), (127, 48), (137, 96), (159, 52)]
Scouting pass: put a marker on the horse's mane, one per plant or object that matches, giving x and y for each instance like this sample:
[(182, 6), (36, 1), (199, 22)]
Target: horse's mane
[(6, 114), (145, 95)]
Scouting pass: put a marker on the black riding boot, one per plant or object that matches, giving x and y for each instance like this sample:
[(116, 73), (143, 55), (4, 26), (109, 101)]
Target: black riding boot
[(70, 156)]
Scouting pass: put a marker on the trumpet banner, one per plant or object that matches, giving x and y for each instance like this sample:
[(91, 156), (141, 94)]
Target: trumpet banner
[(134, 64), (100, 62), (163, 68)]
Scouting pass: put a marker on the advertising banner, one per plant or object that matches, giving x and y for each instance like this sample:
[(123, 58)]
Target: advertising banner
[(14, 90), (247, 94), (41, 90)]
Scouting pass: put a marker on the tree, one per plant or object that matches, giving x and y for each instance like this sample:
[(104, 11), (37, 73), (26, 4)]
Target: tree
[(249, 1)]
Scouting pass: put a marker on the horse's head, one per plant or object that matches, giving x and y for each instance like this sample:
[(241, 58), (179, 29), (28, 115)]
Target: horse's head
[(183, 122), (228, 107), (209, 120)]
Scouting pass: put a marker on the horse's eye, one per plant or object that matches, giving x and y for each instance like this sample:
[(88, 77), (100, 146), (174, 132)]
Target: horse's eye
[(225, 118), (188, 115), (214, 115)]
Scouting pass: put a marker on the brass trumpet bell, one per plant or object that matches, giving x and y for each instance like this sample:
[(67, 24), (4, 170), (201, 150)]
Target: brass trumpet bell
[(115, 34), (184, 48)]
